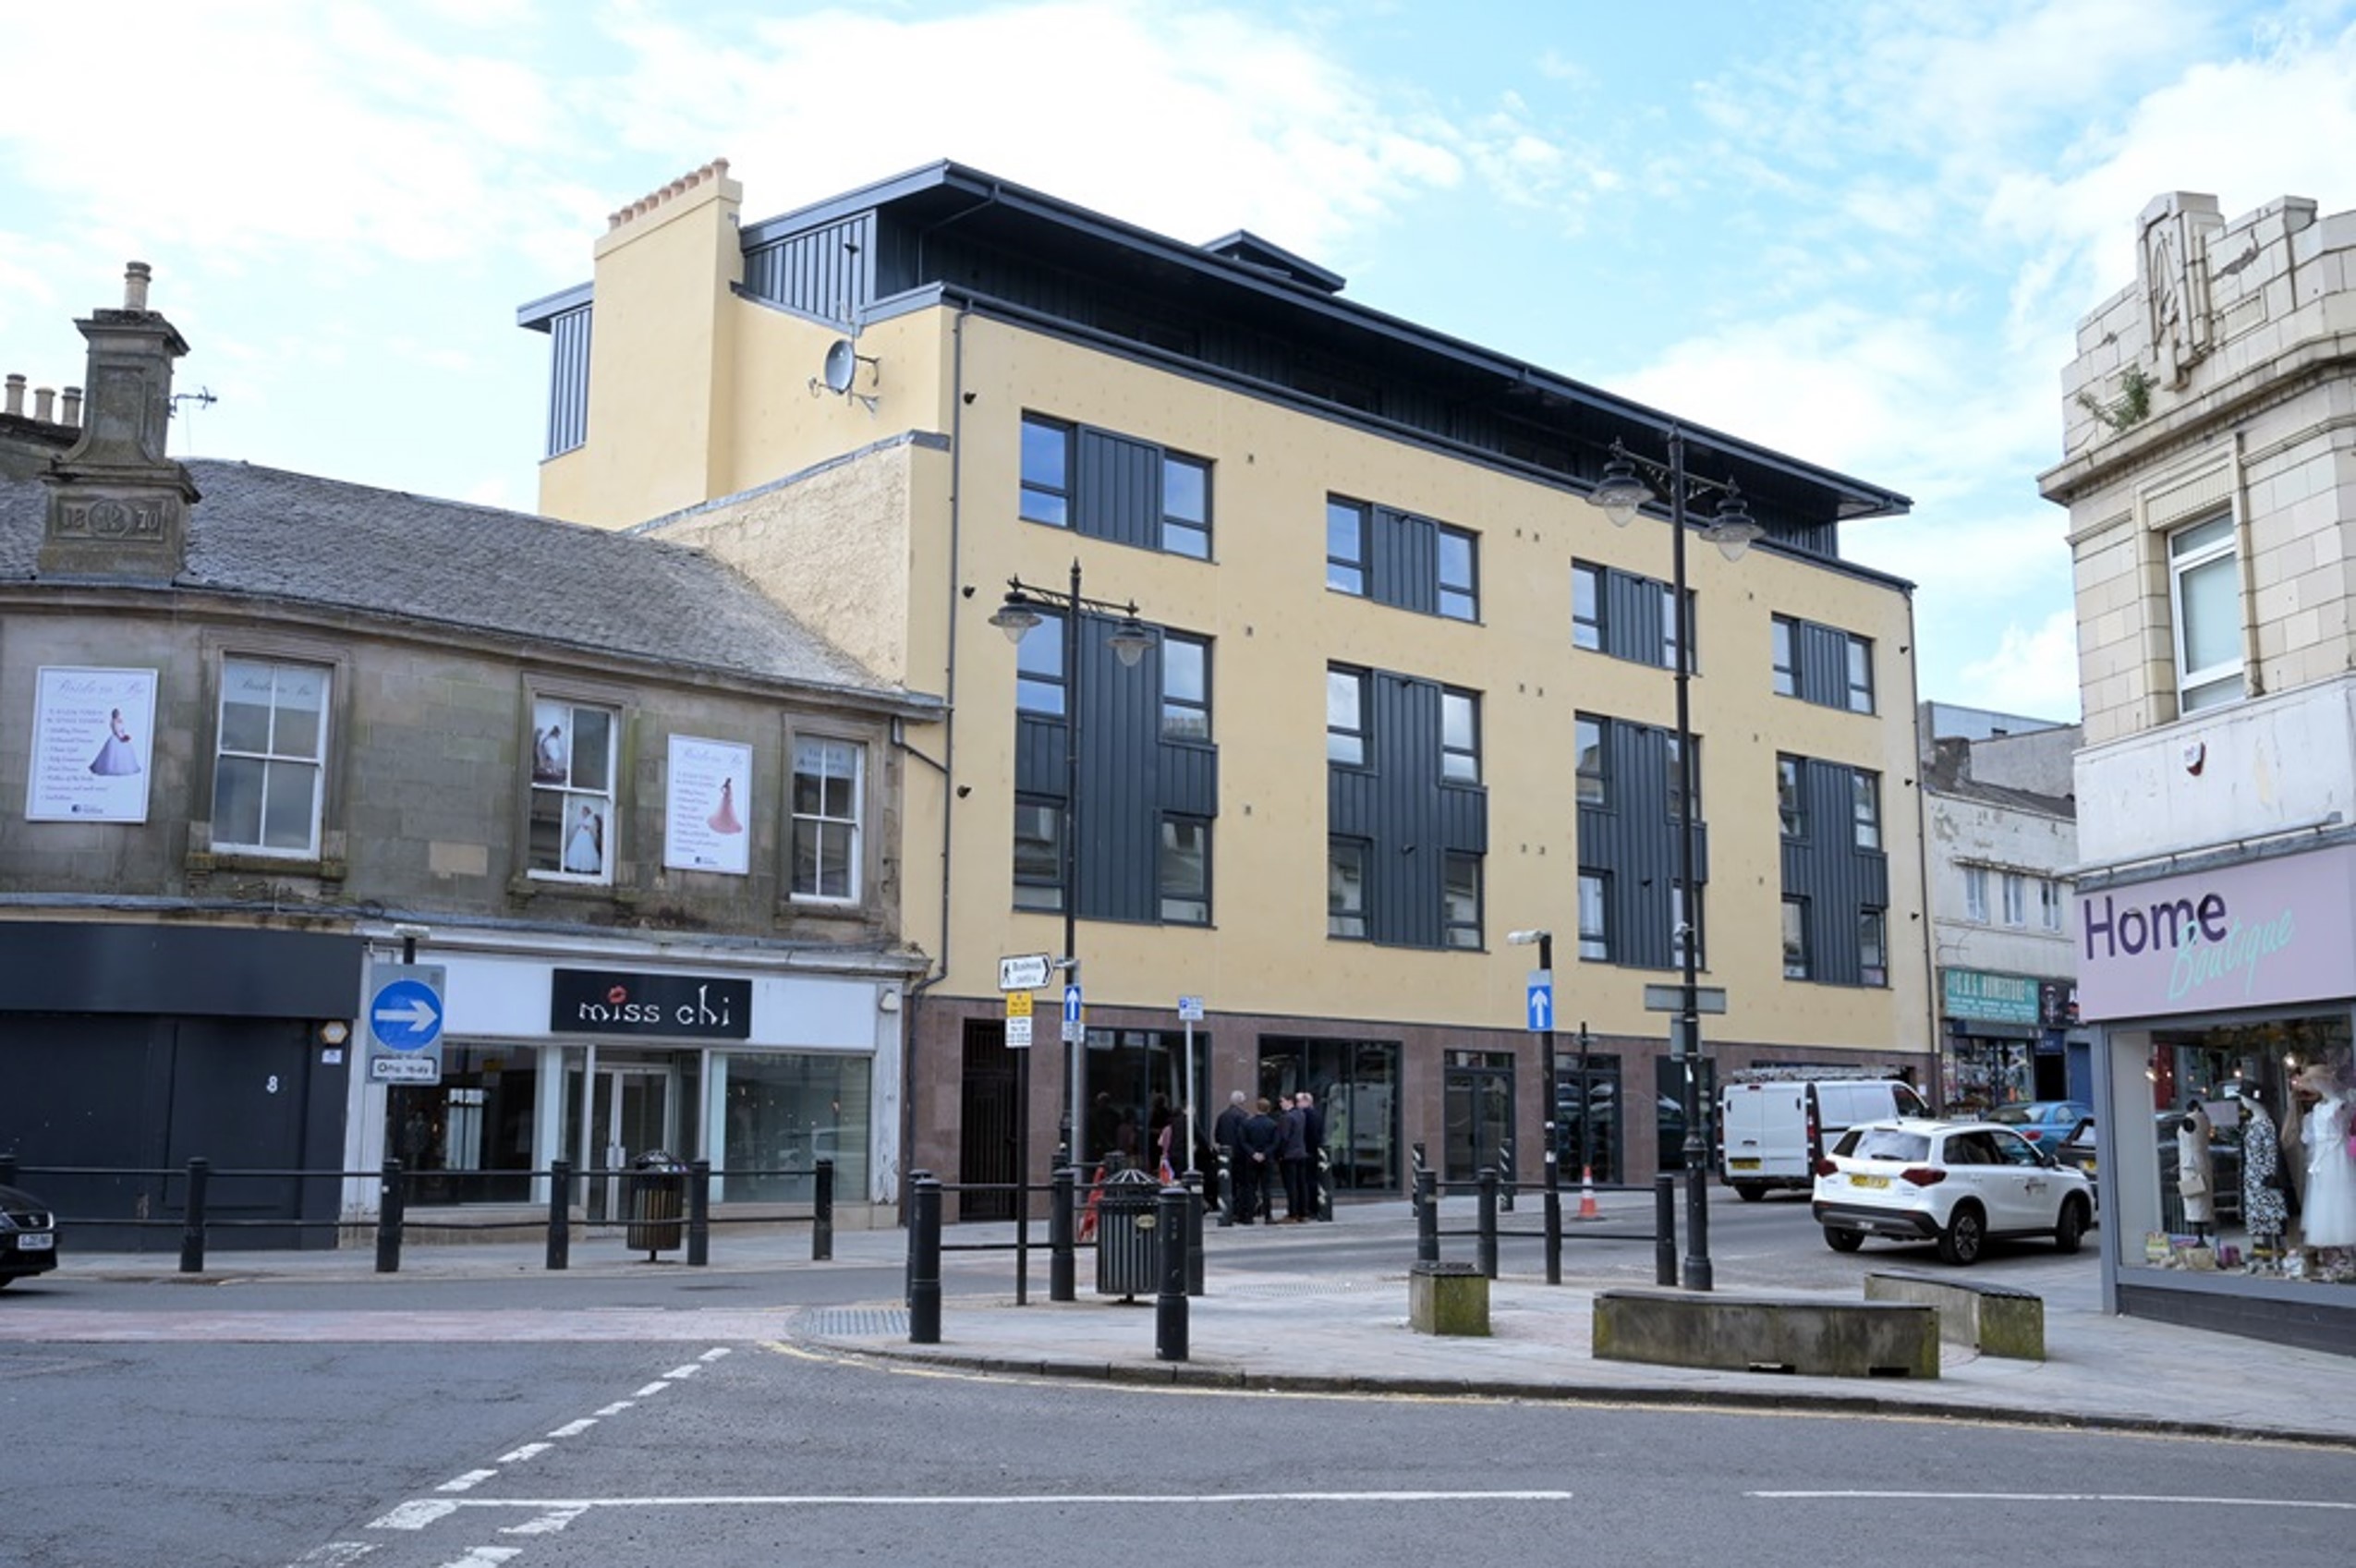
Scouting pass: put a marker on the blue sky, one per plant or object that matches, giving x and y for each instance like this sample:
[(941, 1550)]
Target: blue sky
[(1860, 233)]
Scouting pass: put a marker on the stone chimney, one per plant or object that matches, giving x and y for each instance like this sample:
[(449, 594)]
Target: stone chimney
[(118, 506)]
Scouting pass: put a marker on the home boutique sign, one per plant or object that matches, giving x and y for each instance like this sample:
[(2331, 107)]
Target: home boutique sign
[(617, 1001), (2259, 933)]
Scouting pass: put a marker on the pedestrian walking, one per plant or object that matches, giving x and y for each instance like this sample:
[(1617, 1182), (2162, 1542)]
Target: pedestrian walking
[(1320, 1197)]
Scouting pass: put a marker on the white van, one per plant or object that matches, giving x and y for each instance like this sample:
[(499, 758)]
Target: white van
[(1774, 1124)]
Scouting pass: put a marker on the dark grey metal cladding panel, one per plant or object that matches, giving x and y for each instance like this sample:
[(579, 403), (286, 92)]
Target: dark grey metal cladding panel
[(1352, 803), (1189, 778), (1463, 818), (1632, 617), (568, 377), (1635, 840), (1403, 560), (206, 971), (1120, 780), (1838, 880), (823, 271), (1823, 656), (1039, 766), (1403, 895), (1120, 490)]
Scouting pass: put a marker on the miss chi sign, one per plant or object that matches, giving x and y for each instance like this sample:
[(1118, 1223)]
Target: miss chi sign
[(618, 1001), (2259, 933)]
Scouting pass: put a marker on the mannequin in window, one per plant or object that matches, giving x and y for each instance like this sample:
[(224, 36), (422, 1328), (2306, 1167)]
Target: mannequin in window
[(2195, 1170), (2265, 1205), (2328, 1211)]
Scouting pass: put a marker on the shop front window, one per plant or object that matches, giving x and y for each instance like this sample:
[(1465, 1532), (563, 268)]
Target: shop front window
[(1358, 1083), (785, 1113), (468, 1138), (2246, 1130)]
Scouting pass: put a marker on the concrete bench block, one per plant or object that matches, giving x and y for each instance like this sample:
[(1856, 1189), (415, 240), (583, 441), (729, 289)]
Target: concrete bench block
[(1995, 1319), (1448, 1298), (1811, 1336)]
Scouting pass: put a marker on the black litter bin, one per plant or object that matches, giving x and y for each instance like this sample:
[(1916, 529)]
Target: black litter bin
[(1128, 1245), (654, 1199)]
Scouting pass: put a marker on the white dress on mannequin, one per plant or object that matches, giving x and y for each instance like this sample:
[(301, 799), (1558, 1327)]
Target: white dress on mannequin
[(2328, 1218)]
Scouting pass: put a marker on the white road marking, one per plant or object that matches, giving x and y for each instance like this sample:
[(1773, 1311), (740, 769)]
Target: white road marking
[(678, 1372), (548, 1524), (467, 1482), (575, 1505), (618, 1407), (2055, 1497), (484, 1556), (714, 1353), (575, 1428), (335, 1554), (530, 1451), (415, 1515), (651, 1391)]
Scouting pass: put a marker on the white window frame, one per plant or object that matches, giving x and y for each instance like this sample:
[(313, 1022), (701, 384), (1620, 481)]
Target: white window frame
[(2049, 903), (275, 763), (825, 820), (2210, 546), (2016, 899), (1976, 895), (1595, 917), (572, 795)]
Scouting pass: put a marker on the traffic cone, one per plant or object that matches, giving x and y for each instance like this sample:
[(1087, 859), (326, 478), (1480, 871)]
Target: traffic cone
[(1587, 1209)]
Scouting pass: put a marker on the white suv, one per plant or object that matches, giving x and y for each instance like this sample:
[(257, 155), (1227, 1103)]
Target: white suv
[(1956, 1183)]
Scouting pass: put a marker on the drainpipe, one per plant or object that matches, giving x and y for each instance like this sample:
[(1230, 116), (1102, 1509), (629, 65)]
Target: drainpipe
[(2256, 675)]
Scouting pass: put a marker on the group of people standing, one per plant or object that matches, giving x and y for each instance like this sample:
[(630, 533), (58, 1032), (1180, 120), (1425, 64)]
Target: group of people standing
[(1263, 1142)]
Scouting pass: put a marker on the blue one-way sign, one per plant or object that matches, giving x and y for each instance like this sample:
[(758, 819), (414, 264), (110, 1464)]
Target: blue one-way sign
[(404, 1015), (1539, 998)]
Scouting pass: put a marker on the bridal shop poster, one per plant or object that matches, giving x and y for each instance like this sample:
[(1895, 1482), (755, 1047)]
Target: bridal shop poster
[(92, 743), (711, 791)]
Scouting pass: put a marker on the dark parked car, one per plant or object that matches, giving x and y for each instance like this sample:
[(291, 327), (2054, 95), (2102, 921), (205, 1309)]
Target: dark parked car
[(28, 1236)]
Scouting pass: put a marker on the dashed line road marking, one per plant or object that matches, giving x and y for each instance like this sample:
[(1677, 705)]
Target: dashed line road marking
[(467, 1482), (575, 1428), (530, 1451)]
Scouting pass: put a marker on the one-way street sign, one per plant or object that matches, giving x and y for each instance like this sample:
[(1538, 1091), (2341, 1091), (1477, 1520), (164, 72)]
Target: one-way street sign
[(1539, 998)]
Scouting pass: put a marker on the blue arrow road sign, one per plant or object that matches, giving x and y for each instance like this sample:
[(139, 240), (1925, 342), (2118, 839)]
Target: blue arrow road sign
[(405, 1016), (1071, 1005), (1541, 999)]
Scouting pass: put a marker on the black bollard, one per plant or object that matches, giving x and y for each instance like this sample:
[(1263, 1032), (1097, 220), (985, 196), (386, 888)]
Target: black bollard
[(1484, 1253), (1418, 1167), (1426, 1217), (1553, 1211), (1507, 1185), (822, 1216), (1169, 1305), (192, 1225), (1063, 1273), (699, 1213), (560, 1214), (1665, 1228), (391, 1194), (1226, 1189), (1193, 1183), (924, 1263)]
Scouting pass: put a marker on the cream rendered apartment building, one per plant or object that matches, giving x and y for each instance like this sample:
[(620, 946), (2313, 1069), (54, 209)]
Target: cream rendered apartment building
[(1401, 689), (2210, 475)]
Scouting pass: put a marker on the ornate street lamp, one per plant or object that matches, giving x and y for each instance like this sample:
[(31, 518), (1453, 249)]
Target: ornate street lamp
[(1622, 493), (1129, 640)]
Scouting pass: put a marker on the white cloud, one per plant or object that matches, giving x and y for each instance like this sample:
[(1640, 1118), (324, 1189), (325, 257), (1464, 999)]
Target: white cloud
[(2033, 671)]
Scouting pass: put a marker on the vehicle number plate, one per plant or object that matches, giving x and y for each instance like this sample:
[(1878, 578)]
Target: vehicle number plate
[(1869, 1180), (1744, 1164), (38, 1240)]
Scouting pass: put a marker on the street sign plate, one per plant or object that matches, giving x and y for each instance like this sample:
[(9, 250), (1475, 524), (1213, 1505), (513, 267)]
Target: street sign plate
[(1018, 1032), (1538, 1000), (1671, 999), (1018, 1005), (404, 1019), (1190, 1009), (1027, 972)]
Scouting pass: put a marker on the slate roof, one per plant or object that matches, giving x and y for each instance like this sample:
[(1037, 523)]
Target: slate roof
[(298, 539)]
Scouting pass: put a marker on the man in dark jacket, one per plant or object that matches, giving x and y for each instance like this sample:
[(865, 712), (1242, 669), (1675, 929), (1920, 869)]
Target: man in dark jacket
[(1224, 1134), (1293, 1154), (1317, 1204), (1256, 1146)]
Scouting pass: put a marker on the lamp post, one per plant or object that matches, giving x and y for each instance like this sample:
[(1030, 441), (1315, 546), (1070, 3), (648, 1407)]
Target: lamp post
[(1621, 494), (1545, 940), (1129, 640)]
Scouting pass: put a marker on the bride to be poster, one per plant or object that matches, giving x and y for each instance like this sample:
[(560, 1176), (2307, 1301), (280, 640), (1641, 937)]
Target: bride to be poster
[(92, 743)]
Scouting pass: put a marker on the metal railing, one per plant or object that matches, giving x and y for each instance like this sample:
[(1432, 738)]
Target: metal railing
[(196, 1215)]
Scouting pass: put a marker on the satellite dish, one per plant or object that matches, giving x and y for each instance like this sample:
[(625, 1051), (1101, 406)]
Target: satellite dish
[(842, 365)]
